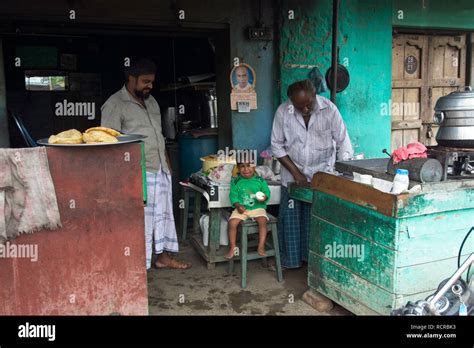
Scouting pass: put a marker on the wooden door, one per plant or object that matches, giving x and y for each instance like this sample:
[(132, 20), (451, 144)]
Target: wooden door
[(424, 68), (446, 74), (409, 76)]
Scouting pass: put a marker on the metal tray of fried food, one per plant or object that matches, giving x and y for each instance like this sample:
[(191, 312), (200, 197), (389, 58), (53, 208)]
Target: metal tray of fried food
[(122, 139)]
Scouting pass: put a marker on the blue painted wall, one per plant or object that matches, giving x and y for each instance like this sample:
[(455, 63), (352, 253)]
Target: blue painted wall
[(252, 130)]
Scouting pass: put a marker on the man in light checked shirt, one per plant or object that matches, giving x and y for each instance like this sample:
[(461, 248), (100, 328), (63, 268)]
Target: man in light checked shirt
[(308, 135)]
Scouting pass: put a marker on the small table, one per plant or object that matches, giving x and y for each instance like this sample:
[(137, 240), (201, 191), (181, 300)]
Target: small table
[(217, 200)]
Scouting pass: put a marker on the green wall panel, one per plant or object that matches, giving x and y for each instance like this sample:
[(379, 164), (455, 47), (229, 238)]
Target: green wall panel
[(365, 40), (444, 14)]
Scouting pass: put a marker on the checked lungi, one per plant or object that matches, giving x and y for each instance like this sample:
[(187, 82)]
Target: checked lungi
[(160, 229), (293, 230)]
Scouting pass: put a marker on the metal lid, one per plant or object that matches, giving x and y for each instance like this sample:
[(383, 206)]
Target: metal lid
[(460, 100)]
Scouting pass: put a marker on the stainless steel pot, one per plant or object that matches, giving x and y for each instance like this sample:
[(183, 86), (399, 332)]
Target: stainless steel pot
[(455, 115)]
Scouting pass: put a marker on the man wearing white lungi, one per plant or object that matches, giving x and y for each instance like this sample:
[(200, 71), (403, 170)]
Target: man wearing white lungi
[(133, 110)]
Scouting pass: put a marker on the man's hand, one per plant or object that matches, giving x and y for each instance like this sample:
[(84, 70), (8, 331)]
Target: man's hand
[(300, 179), (240, 208)]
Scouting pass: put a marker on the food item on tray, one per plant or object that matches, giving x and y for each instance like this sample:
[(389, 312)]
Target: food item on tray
[(98, 136), (71, 136), (110, 131)]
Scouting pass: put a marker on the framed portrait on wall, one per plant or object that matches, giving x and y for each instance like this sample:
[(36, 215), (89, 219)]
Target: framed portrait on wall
[(243, 80)]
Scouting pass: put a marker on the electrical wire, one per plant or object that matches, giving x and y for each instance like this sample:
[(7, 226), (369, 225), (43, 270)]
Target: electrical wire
[(459, 254)]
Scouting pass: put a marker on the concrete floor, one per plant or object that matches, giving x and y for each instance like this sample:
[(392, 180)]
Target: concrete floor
[(199, 291)]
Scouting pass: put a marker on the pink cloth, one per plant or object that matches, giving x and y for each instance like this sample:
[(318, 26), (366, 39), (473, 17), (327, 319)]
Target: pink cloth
[(412, 150)]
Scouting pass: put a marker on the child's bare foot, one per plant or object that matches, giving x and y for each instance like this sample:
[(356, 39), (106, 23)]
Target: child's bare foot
[(261, 251), (230, 254)]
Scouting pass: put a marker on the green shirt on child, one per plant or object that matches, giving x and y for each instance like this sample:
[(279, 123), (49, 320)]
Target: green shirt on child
[(243, 191)]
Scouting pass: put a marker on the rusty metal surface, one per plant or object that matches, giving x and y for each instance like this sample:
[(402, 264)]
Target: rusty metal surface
[(94, 264)]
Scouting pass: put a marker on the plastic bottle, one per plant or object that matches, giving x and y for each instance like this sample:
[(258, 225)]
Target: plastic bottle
[(401, 181)]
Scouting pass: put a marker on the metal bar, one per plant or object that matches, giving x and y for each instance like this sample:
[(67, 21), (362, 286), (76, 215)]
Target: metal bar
[(450, 282), (335, 20), (468, 59)]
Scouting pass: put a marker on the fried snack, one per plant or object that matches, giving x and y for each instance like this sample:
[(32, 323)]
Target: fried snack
[(98, 136), (104, 129), (71, 136)]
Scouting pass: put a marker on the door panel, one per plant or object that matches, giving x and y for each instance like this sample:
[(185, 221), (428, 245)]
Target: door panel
[(446, 74), (424, 68), (408, 75)]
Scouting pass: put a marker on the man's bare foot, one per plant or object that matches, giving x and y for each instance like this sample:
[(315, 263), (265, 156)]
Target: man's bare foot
[(261, 251), (165, 261)]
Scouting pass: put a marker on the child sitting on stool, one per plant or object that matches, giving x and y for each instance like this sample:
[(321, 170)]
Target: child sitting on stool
[(249, 194)]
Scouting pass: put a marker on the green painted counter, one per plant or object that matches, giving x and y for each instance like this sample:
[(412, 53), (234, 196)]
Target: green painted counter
[(371, 252)]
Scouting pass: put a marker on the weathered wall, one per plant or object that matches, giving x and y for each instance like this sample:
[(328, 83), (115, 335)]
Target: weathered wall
[(443, 14), (365, 40)]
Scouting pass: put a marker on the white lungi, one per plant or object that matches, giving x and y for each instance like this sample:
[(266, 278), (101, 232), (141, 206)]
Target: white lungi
[(160, 229)]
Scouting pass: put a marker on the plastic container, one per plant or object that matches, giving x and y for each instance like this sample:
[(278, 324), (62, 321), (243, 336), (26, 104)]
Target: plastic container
[(191, 150), (401, 181)]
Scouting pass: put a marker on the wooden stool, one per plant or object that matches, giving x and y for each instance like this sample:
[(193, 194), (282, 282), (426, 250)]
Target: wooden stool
[(184, 211), (247, 228)]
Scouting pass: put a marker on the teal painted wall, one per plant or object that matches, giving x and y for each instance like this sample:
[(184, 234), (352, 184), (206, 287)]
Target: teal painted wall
[(365, 40), (458, 14)]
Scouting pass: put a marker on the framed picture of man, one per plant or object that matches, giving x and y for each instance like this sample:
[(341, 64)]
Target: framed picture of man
[(243, 81)]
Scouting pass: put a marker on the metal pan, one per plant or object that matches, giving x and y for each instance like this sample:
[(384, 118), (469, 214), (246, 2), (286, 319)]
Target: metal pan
[(342, 78)]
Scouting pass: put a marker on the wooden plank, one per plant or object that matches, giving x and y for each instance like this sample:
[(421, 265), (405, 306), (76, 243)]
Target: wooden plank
[(214, 233), (355, 303), (403, 124), (434, 202), (303, 194), (447, 82), (410, 136), (437, 66), (331, 291), (411, 104), (355, 219), (416, 233), (355, 192), (407, 84), (451, 62), (397, 99), (324, 274), (396, 139), (423, 277), (398, 55), (404, 205), (370, 261)]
